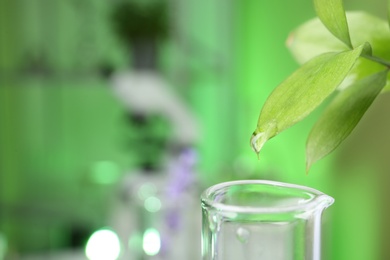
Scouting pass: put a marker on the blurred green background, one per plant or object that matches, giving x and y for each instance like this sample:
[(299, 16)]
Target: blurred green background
[(61, 125)]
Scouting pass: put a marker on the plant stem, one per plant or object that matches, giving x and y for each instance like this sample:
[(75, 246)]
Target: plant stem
[(378, 60)]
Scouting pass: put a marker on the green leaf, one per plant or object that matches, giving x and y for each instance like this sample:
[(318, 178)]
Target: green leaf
[(301, 93), (312, 38), (341, 116), (332, 15)]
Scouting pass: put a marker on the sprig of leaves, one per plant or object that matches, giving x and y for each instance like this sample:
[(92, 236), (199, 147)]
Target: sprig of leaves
[(353, 62)]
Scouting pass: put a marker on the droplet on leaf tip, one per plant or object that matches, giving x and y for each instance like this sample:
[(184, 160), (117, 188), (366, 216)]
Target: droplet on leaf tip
[(257, 143)]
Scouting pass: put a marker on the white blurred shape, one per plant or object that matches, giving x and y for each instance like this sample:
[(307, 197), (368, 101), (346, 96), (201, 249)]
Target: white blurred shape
[(151, 242), (104, 244), (147, 93)]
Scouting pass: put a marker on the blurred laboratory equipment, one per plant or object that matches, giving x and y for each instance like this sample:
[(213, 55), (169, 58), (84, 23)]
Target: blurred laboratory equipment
[(159, 218), (142, 88), (265, 220), (156, 214)]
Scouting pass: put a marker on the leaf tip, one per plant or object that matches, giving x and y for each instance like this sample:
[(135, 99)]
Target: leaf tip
[(256, 142), (332, 15), (258, 139)]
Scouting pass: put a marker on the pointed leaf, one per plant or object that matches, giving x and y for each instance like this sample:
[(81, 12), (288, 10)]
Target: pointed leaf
[(341, 116), (332, 15), (301, 93)]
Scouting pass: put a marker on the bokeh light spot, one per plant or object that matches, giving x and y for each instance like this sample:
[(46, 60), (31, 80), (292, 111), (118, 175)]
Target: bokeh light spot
[(152, 204), (105, 172), (104, 244), (146, 190), (151, 242)]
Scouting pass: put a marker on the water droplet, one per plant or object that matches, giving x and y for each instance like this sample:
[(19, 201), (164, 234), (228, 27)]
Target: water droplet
[(257, 142), (262, 134), (243, 235)]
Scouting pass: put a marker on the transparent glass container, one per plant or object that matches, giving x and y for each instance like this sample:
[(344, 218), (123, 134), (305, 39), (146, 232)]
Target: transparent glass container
[(262, 220)]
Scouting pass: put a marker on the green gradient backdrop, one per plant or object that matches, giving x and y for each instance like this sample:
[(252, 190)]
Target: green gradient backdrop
[(224, 60)]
